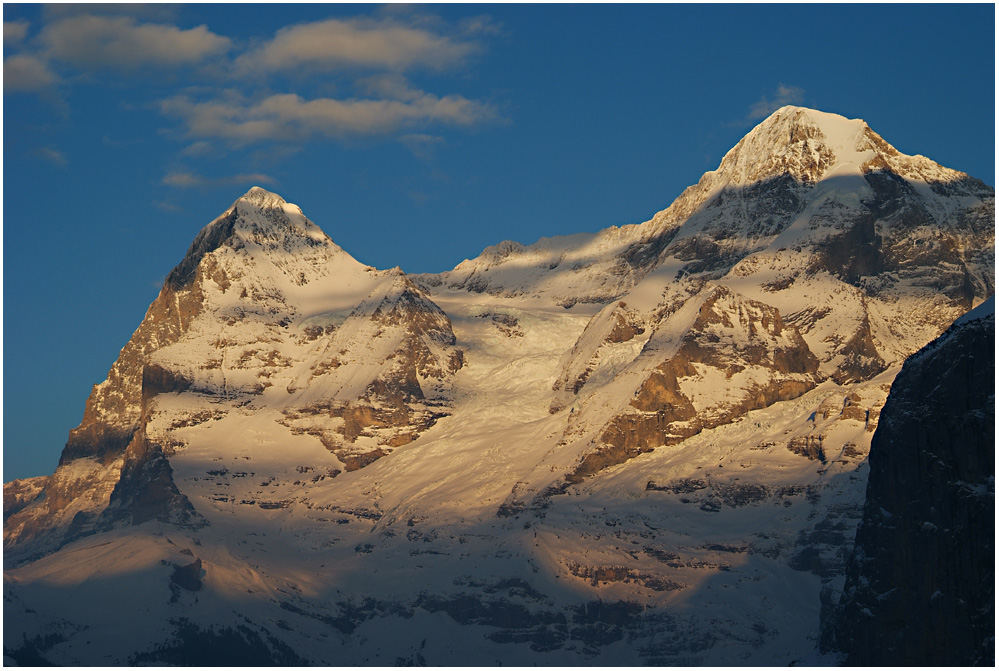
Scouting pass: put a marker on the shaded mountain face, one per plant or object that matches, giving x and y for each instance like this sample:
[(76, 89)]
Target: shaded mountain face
[(920, 585), (295, 452)]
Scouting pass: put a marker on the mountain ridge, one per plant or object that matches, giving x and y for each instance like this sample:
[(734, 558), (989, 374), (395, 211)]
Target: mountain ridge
[(627, 252), (283, 405)]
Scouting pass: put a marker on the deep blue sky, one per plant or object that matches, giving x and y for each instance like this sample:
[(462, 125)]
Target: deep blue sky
[(418, 136)]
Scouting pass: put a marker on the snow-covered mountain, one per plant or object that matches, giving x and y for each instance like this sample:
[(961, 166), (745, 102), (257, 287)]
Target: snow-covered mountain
[(643, 445)]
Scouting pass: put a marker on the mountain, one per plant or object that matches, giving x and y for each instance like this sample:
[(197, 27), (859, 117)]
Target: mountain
[(929, 515), (645, 445), (265, 313)]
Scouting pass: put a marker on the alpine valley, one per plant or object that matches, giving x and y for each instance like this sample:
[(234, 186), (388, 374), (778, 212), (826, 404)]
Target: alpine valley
[(645, 445)]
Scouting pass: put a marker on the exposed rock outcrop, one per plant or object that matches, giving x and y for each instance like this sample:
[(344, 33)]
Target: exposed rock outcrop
[(725, 355), (920, 587)]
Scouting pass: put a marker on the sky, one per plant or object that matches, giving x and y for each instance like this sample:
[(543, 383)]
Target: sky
[(414, 136)]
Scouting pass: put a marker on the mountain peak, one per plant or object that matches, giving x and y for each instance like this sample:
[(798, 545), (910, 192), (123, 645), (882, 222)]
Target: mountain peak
[(806, 144), (261, 218), (797, 114), (263, 198)]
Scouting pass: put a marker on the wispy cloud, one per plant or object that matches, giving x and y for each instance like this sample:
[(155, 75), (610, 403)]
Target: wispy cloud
[(14, 32), (421, 145), (160, 12), (167, 206), (53, 156), (122, 43), (199, 148), (189, 180), (370, 94), (360, 42), (292, 117), (784, 95), (389, 85), (24, 72), (480, 25)]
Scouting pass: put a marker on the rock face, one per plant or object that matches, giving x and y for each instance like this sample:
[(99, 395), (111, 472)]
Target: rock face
[(717, 341), (920, 585), (573, 452)]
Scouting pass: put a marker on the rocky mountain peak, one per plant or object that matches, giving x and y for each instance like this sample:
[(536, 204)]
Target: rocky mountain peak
[(795, 115), (261, 221), (791, 124), (263, 198), (806, 144), (810, 145)]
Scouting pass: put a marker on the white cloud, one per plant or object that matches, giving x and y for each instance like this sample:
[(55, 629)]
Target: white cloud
[(188, 180), (14, 32), (27, 73), (123, 43), (291, 117), (361, 42), (784, 95)]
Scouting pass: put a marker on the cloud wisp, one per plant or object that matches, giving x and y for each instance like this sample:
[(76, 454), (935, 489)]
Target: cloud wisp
[(784, 95), (86, 42), (421, 145), (27, 73), (199, 148), (167, 206), (332, 79), (52, 12), (14, 32), (356, 43), (53, 156), (190, 180), (122, 43), (291, 117)]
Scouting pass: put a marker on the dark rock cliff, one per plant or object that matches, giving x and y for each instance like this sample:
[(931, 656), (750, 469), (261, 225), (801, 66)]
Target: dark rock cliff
[(920, 586)]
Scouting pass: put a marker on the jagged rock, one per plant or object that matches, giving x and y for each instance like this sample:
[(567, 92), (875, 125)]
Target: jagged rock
[(717, 339), (808, 446), (19, 493)]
